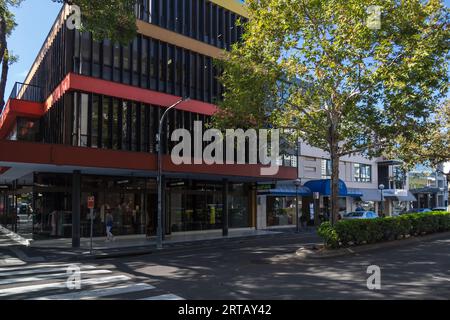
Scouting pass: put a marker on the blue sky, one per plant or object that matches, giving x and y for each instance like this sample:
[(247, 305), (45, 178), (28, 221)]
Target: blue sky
[(34, 19)]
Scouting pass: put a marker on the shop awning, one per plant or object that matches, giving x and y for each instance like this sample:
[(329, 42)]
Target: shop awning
[(287, 191), (429, 190), (370, 195), (353, 192), (406, 198), (399, 195), (324, 187)]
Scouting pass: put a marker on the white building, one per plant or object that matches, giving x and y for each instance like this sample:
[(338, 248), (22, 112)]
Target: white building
[(359, 188)]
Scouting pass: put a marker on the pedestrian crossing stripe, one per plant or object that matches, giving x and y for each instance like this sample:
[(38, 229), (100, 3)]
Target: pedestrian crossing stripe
[(42, 266), (164, 297), (20, 271), (114, 285), (59, 285), (49, 276), (97, 293)]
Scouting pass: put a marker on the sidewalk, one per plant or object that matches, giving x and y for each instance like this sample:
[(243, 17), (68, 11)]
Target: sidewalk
[(60, 249), (99, 243), (133, 245)]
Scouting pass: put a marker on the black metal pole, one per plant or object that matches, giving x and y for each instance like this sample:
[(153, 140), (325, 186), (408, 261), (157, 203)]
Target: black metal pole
[(225, 213), (382, 204), (76, 208), (159, 230), (296, 210)]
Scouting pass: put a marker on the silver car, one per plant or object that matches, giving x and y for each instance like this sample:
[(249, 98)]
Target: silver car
[(360, 215)]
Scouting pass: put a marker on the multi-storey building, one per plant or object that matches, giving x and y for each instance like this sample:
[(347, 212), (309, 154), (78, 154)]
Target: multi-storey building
[(359, 188), (84, 123), (430, 187)]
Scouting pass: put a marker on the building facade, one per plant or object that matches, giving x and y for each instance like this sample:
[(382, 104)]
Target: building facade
[(85, 123), (359, 188), (430, 187)]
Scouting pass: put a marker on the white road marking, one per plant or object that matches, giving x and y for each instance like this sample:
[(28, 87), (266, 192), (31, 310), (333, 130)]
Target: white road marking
[(97, 293), (441, 278), (37, 266), (49, 276), (40, 270), (59, 285), (164, 297)]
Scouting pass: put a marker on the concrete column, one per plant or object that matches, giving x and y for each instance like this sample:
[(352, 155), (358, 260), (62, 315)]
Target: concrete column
[(163, 207), (225, 213), (261, 216), (76, 208), (316, 212)]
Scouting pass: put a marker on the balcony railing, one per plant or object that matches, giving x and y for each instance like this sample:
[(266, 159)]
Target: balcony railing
[(27, 92)]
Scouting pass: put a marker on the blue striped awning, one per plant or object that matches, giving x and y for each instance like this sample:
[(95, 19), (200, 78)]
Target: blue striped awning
[(287, 191)]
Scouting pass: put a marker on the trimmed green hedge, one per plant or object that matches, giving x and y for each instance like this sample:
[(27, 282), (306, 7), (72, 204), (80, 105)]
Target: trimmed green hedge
[(362, 231)]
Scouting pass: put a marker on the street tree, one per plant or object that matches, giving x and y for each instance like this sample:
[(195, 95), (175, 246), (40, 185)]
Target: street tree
[(433, 148), (352, 77)]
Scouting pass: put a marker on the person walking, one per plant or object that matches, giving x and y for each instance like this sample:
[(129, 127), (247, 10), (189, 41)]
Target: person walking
[(109, 224)]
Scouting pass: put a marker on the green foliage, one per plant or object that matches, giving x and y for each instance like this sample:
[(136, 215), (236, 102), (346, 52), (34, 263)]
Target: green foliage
[(328, 233), (362, 231), (108, 19), (317, 67)]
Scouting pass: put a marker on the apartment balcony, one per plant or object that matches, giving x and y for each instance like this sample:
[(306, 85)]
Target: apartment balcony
[(25, 101)]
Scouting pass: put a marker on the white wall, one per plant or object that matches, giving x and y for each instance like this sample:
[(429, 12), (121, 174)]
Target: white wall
[(310, 167)]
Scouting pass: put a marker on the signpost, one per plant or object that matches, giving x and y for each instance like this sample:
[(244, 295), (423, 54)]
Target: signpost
[(91, 205)]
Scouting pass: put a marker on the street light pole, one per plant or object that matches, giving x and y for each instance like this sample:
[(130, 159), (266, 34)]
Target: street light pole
[(297, 183), (159, 231), (381, 187)]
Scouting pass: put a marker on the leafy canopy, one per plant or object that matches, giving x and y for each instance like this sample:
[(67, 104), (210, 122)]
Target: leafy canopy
[(316, 66), (108, 19)]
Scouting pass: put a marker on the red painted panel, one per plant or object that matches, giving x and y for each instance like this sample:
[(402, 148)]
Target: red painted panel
[(88, 84), (18, 108), (36, 153)]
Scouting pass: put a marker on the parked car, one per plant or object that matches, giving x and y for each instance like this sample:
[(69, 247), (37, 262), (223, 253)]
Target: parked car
[(422, 210), (360, 215), (440, 209)]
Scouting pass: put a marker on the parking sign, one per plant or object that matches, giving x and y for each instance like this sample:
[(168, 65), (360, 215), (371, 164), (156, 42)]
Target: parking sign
[(91, 202)]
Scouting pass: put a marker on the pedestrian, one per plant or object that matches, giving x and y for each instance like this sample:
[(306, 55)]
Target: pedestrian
[(109, 224)]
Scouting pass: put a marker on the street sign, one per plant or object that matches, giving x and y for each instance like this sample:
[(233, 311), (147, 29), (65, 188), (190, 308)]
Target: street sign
[(91, 202), (91, 205)]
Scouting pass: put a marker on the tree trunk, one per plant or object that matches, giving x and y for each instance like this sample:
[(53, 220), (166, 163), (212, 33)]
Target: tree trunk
[(334, 154), (334, 185), (4, 78)]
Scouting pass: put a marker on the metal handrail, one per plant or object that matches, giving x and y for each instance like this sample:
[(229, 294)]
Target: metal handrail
[(25, 91)]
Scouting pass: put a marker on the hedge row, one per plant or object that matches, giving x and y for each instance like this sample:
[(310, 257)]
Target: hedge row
[(362, 231)]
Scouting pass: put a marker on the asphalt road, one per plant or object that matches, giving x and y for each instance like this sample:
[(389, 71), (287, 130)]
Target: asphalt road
[(263, 268), (269, 270)]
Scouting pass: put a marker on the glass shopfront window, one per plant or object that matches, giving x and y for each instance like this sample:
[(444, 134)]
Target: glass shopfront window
[(281, 211), (196, 205), (365, 205), (130, 202)]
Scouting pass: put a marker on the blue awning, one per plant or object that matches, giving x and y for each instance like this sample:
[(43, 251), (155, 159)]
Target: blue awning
[(287, 191), (324, 187), (355, 193)]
